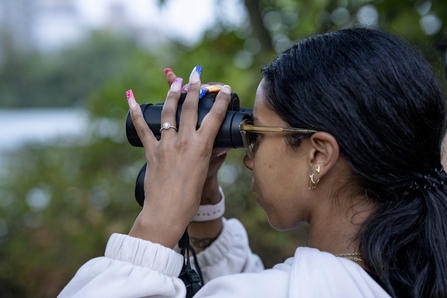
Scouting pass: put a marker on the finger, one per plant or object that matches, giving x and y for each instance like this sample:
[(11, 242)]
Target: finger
[(170, 76), (168, 114), (188, 118), (144, 133), (213, 120)]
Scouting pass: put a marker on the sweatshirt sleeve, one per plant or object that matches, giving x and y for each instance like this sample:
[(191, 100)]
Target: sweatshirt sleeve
[(133, 267)]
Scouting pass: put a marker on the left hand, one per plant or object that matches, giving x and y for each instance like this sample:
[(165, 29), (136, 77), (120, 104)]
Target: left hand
[(178, 164), (210, 193)]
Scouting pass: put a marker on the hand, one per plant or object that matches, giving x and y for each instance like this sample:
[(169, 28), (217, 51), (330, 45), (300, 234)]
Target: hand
[(178, 164), (210, 193), (202, 234)]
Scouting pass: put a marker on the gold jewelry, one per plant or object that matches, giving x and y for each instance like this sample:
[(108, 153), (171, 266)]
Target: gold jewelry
[(318, 170), (312, 182), (353, 256)]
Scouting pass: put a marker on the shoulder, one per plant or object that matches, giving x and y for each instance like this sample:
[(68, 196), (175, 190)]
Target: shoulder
[(267, 283), (310, 273), (322, 273)]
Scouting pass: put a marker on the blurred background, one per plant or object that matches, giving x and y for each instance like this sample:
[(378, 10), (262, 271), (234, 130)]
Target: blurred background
[(67, 172)]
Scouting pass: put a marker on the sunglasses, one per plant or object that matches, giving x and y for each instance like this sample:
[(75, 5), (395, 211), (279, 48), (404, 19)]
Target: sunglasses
[(251, 132)]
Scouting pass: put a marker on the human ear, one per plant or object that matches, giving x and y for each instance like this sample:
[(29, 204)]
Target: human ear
[(323, 154)]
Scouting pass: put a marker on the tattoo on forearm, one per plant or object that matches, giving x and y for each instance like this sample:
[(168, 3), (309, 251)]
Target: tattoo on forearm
[(201, 242)]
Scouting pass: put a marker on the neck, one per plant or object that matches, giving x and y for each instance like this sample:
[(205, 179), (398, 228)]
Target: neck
[(336, 227)]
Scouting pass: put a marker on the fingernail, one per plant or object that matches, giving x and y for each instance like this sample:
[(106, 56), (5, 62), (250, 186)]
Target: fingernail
[(167, 70), (185, 88), (195, 74), (131, 100), (203, 92), (223, 152), (226, 89), (176, 85)]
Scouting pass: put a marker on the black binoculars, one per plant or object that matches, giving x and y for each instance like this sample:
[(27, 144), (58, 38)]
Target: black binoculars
[(228, 136)]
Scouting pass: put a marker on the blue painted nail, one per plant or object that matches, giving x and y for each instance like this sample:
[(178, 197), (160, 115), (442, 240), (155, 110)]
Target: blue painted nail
[(195, 74), (203, 92)]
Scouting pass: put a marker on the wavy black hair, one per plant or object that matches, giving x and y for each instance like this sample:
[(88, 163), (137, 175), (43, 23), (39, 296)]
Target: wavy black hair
[(382, 102)]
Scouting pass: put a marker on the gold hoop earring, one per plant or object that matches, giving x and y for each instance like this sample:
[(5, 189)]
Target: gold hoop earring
[(312, 182)]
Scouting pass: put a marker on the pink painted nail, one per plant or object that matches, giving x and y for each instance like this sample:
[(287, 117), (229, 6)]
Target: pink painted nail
[(185, 88), (131, 100), (167, 70), (176, 85)]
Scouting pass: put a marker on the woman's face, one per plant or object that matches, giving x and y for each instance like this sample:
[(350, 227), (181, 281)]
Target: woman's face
[(280, 172)]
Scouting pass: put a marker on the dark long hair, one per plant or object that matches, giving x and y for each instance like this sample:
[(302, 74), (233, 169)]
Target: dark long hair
[(381, 100)]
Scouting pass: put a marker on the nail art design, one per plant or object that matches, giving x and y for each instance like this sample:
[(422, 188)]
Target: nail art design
[(195, 74), (209, 89), (129, 94), (213, 89), (203, 92), (131, 99), (185, 88), (176, 85), (198, 68)]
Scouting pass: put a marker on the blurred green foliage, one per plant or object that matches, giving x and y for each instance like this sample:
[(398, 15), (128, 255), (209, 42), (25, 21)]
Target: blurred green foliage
[(62, 79), (60, 201)]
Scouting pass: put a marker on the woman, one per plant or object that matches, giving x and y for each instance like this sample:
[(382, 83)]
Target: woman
[(360, 163)]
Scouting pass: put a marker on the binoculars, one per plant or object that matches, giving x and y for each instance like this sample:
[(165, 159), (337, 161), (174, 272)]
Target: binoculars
[(228, 136)]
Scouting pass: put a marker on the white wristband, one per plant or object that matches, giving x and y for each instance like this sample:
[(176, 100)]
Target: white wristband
[(211, 212)]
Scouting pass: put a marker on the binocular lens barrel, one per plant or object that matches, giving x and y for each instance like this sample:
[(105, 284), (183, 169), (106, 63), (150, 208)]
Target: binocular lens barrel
[(227, 137)]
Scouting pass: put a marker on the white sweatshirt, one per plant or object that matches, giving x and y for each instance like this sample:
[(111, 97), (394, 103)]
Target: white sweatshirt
[(133, 267)]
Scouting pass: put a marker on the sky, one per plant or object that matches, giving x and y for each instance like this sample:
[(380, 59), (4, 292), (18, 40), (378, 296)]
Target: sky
[(184, 18)]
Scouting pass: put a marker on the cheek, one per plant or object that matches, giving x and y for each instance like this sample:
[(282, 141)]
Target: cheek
[(275, 168), (281, 184), (276, 181)]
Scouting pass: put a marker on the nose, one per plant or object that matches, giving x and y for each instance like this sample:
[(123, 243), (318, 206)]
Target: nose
[(248, 162)]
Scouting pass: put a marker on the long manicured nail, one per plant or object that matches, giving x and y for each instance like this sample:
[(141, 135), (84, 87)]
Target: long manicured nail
[(176, 85), (226, 89), (203, 92), (131, 100), (195, 74), (185, 88), (167, 70)]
